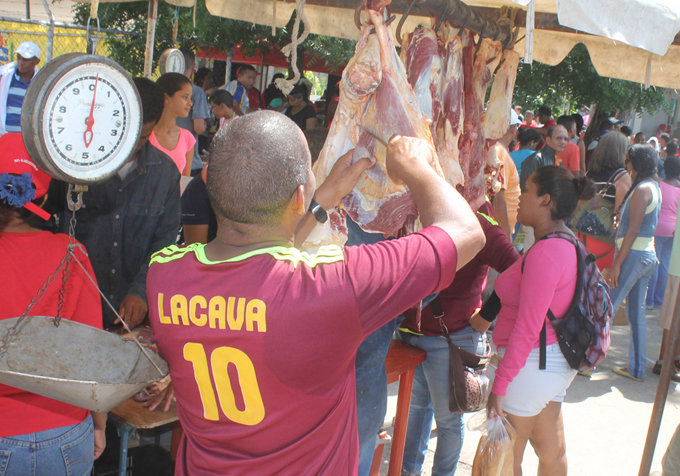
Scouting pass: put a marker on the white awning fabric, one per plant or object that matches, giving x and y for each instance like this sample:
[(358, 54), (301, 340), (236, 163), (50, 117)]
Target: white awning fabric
[(628, 39)]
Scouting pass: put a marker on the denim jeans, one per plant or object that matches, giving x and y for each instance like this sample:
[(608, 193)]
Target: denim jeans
[(430, 397), (636, 270), (67, 451), (657, 283)]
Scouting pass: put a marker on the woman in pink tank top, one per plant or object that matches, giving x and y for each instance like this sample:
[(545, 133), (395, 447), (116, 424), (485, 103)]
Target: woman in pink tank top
[(663, 237), (167, 136)]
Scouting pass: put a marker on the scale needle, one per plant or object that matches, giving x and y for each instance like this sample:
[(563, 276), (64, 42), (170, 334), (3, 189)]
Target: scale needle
[(90, 120)]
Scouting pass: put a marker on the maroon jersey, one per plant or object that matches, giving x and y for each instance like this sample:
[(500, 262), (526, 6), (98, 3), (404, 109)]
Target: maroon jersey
[(261, 347)]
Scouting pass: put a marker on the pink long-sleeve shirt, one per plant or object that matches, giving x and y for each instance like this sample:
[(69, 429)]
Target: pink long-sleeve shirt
[(548, 282)]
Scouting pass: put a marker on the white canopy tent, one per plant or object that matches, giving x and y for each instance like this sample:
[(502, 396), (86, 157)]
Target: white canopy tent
[(627, 39)]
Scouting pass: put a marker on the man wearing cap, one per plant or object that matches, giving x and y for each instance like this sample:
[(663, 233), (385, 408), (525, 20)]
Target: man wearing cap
[(506, 201), (14, 80)]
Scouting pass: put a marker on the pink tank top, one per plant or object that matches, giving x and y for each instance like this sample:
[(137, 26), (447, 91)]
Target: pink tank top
[(178, 155), (669, 210)]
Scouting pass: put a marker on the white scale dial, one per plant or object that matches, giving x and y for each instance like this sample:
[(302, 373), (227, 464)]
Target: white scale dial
[(87, 120), (86, 115)]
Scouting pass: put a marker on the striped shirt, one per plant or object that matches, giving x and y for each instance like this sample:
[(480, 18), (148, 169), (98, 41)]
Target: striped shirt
[(15, 99)]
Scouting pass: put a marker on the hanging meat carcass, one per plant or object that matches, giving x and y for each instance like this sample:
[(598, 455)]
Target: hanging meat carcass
[(497, 116), (375, 103), (434, 70), (479, 62)]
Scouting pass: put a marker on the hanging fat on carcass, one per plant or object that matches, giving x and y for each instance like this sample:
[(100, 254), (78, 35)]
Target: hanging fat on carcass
[(497, 118), (434, 70), (375, 103), (497, 115)]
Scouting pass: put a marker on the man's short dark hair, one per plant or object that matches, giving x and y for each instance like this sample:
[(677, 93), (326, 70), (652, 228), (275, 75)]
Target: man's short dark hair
[(626, 131), (567, 121), (544, 111), (189, 57), (316, 138), (551, 131), (665, 137), (246, 67), (256, 164), (153, 99), (222, 96)]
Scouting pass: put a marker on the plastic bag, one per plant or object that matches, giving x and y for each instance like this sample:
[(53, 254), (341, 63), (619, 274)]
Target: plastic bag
[(494, 455)]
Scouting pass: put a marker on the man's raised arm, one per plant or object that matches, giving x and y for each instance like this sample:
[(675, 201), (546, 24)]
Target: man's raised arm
[(409, 161)]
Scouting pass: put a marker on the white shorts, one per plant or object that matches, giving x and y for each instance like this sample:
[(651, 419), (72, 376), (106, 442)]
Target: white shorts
[(532, 389)]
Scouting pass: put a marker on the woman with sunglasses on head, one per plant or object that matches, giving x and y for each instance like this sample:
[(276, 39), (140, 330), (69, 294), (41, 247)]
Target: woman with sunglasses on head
[(635, 259), (38, 435), (545, 279), (299, 109)]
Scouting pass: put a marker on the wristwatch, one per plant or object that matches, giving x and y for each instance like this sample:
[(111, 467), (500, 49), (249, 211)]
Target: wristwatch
[(317, 210)]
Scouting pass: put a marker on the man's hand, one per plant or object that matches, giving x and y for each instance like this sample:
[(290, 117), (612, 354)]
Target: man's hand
[(99, 442), (406, 155), (133, 310), (341, 180), (165, 396)]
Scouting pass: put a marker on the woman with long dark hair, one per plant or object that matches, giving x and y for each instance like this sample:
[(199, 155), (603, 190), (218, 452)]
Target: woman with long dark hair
[(636, 256), (167, 136), (545, 279)]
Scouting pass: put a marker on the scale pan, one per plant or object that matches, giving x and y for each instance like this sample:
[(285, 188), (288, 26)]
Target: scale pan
[(75, 363)]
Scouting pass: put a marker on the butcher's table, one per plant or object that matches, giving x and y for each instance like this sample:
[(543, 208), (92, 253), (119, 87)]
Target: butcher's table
[(400, 365), (131, 415)]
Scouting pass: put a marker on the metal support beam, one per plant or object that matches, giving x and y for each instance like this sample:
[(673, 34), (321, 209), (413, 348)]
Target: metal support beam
[(150, 36)]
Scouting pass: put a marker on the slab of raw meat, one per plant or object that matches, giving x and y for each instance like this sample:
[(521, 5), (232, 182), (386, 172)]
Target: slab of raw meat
[(479, 63), (497, 116), (375, 103), (450, 123), (422, 53)]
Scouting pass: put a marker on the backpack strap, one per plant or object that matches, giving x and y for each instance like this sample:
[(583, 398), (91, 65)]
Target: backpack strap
[(543, 346)]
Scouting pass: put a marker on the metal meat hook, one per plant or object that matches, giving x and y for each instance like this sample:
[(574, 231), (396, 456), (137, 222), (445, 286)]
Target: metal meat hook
[(357, 16), (403, 20)]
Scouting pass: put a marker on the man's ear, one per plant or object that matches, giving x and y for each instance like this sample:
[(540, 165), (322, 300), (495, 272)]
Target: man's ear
[(298, 200)]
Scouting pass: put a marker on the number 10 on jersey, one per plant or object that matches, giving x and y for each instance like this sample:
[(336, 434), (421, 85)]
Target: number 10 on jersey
[(220, 359)]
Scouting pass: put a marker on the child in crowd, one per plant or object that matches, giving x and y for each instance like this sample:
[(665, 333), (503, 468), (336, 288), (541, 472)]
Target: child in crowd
[(240, 89), (222, 107), (167, 136)]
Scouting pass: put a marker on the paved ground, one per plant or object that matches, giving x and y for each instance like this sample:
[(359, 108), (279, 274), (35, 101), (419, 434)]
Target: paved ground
[(606, 417)]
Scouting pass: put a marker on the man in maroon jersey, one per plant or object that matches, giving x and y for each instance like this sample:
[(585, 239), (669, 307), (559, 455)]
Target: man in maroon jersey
[(261, 338)]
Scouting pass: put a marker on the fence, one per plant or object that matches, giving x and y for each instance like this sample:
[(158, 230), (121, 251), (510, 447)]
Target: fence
[(53, 39)]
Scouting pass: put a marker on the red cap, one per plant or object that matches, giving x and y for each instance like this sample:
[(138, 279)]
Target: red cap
[(14, 159)]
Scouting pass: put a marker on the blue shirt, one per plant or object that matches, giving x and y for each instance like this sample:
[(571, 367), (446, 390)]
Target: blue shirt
[(518, 157), (15, 99)]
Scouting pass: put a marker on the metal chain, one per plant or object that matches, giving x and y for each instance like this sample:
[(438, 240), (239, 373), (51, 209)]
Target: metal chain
[(14, 331)]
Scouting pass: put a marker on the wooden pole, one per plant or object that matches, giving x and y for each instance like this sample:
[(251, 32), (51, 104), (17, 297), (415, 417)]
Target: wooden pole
[(661, 392), (150, 36)]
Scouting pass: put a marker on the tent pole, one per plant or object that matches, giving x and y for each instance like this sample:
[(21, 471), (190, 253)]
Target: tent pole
[(150, 35), (661, 392)]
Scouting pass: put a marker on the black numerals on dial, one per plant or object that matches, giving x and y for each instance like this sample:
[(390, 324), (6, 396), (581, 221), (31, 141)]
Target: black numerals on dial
[(86, 155), (101, 149), (76, 91), (114, 132), (91, 87), (116, 113), (60, 130), (69, 147), (62, 109)]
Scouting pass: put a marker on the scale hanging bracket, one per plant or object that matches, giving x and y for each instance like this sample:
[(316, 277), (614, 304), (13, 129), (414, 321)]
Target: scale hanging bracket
[(78, 203)]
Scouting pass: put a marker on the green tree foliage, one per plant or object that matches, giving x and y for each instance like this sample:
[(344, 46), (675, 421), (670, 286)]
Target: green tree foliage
[(211, 31), (575, 82)]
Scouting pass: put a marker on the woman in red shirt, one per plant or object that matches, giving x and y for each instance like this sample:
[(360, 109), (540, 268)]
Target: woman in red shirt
[(38, 435)]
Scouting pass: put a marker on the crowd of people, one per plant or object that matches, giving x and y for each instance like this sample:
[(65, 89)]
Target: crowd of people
[(212, 263)]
